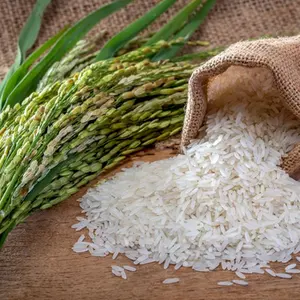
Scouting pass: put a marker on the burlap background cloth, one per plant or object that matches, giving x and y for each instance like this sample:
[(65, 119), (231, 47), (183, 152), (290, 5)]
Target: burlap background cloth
[(230, 21)]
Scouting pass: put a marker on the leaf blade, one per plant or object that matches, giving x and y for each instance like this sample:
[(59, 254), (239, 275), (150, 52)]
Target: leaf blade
[(31, 28), (123, 37), (63, 45), (186, 32), (176, 22), (26, 39), (22, 70)]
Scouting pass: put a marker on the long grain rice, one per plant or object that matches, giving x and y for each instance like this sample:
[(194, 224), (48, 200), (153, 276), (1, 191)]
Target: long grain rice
[(129, 268), (225, 201), (290, 266), (283, 275), (240, 282), (270, 272), (170, 280), (225, 283)]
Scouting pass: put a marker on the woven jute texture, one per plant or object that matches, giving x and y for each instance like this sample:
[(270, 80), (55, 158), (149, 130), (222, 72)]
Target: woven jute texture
[(281, 56), (230, 20)]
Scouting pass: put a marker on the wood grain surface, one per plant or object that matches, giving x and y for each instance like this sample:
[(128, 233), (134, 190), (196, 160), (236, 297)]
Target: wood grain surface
[(37, 262)]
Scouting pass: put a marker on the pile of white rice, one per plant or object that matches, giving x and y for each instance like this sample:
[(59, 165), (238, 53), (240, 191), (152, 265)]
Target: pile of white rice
[(224, 202)]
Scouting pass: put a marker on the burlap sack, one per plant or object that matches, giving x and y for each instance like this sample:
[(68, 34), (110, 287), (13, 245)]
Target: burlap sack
[(230, 20), (281, 56)]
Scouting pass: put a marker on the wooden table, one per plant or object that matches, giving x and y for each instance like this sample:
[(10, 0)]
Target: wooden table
[(37, 262)]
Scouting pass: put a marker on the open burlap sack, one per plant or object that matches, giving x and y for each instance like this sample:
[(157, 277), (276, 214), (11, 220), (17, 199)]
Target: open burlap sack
[(230, 20), (281, 56)]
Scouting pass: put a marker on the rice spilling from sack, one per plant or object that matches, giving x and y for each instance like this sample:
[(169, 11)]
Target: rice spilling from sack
[(224, 202)]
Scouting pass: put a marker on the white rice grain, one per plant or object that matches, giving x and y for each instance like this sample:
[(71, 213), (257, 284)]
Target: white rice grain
[(240, 282), (116, 273), (129, 268), (117, 268), (291, 266), (178, 266), (270, 272), (283, 275), (293, 271), (123, 274), (170, 280), (225, 283), (224, 202), (240, 275)]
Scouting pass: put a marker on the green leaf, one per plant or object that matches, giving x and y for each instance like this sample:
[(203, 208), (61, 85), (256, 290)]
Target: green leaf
[(43, 48), (123, 37), (27, 38), (23, 69), (31, 29), (3, 236), (176, 23), (4, 81), (186, 32), (62, 46)]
